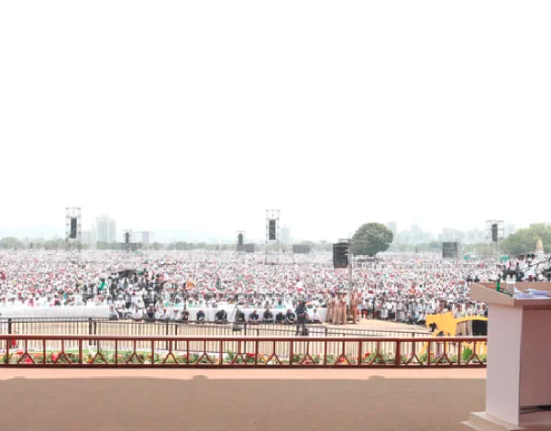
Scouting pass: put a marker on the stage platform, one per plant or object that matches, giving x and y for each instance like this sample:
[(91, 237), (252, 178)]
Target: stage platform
[(240, 400)]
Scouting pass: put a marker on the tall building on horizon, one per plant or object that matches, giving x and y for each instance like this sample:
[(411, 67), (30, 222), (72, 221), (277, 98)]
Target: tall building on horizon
[(106, 229), (474, 236), (285, 235), (89, 237), (147, 237), (509, 229), (449, 234), (393, 226)]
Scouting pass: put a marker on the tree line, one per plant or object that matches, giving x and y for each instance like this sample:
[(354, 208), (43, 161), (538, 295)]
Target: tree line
[(369, 239)]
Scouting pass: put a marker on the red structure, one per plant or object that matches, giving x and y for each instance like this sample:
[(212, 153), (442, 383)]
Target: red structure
[(194, 351)]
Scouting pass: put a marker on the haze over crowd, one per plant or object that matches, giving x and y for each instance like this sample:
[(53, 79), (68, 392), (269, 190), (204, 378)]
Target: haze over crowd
[(199, 116)]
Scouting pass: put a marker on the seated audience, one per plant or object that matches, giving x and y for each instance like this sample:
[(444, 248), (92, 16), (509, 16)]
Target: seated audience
[(240, 317), (221, 317), (280, 318), (268, 316), (290, 318), (200, 316), (316, 317), (253, 317)]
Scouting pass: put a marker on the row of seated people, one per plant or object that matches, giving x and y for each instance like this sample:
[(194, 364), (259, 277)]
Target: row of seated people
[(288, 318), (221, 317)]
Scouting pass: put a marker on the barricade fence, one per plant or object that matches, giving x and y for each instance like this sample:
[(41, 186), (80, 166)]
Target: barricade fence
[(239, 351), (91, 326)]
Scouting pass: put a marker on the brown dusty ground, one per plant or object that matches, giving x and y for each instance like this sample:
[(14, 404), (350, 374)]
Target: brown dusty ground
[(232, 400), (381, 325)]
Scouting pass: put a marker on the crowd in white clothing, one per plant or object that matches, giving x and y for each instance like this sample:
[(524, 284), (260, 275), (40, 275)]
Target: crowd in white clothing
[(403, 286)]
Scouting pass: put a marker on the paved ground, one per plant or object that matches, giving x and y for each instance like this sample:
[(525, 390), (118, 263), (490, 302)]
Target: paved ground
[(232, 400), (381, 325)]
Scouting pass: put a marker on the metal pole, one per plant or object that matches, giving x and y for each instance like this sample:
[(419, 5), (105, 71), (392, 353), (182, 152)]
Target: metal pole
[(350, 270)]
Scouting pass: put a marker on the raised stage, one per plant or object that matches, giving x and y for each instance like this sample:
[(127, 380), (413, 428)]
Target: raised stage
[(239, 400)]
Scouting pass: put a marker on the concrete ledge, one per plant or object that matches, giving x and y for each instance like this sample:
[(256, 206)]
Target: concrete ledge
[(484, 422)]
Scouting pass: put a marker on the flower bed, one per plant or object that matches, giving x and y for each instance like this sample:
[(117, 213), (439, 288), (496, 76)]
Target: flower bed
[(143, 357), (106, 357)]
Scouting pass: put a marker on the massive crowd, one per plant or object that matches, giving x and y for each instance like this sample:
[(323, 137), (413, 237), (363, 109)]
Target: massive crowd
[(402, 287)]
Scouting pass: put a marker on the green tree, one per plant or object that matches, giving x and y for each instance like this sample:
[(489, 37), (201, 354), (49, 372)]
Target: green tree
[(484, 250), (54, 244), (524, 240), (10, 242), (371, 238), (157, 246), (180, 245), (102, 245)]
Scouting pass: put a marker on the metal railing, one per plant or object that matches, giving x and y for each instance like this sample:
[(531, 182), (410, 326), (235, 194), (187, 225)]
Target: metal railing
[(123, 327), (242, 351)]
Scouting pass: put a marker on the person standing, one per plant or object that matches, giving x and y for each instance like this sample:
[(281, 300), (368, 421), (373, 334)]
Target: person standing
[(462, 327), (354, 308), (364, 313), (330, 308), (301, 318), (370, 309), (344, 314), (337, 310)]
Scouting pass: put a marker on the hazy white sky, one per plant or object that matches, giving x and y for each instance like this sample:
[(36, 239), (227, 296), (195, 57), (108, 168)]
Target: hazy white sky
[(200, 115)]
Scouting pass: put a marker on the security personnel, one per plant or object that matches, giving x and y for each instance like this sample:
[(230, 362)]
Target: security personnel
[(330, 308), (344, 315), (354, 308), (337, 311)]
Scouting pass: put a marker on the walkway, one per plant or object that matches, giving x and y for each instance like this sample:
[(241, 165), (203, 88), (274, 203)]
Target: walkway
[(239, 400)]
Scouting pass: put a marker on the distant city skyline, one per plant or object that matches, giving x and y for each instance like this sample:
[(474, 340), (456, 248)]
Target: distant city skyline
[(404, 234), (255, 229), (415, 235), (106, 228)]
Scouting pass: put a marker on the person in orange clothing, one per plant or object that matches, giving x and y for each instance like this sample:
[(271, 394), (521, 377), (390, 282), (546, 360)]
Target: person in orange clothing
[(330, 308), (344, 309), (337, 310), (354, 302)]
